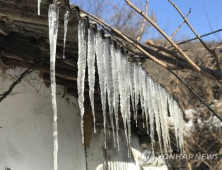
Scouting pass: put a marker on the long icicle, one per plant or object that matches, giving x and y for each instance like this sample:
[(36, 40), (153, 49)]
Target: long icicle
[(163, 122), (53, 15), (66, 20), (141, 80), (91, 70), (116, 90), (101, 72), (145, 98), (151, 110), (81, 71), (109, 82), (156, 112), (165, 130), (126, 66), (122, 89), (39, 3), (136, 89)]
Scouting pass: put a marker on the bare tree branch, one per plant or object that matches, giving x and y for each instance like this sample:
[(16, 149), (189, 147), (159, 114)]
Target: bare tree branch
[(213, 32), (179, 63), (164, 34), (143, 23), (139, 49), (161, 48), (129, 41), (171, 36), (211, 51)]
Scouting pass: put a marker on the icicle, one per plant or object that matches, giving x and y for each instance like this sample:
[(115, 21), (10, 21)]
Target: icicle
[(136, 89), (91, 70), (116, 90), (177, 116), (101, 72), (151, 110), (81, 71), (39, 3), (179, 121), (126, 65), (165, 130), (132, 87), (141, 93), (53, 15), (122, 91), (66, 20), (160, 95), (156, 112), (109, 82), (145, 98)]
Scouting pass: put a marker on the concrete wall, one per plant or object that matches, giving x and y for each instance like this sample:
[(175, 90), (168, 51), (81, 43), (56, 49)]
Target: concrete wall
[(26, 140)]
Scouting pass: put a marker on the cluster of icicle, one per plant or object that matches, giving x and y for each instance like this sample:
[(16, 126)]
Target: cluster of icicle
[(124, 84)]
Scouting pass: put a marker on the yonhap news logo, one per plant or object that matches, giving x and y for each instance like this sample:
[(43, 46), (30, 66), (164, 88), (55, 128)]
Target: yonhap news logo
[(148, 156), (189, 156)]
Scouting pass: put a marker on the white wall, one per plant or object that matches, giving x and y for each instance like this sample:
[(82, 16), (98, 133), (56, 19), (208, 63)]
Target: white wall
[(26, 141)]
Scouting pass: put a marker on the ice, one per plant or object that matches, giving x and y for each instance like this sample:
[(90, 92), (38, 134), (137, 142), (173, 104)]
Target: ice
[(91, 70), (66, 20), (126, 69), (123, 82), (155, 107), (132, 88), (177, 116), (163, 115), (81, 70), (141, 80), (165, 130), (145, 98), (122, 91), (116, 90), (39, 3), (101, 72), (53, 15), (109, 81), (136, 89), (150, 108), (173, 116)]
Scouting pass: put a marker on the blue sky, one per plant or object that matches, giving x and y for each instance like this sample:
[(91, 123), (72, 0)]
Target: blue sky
[(168, 18)]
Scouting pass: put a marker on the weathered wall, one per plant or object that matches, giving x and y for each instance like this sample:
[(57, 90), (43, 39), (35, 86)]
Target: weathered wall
[(26, 140)]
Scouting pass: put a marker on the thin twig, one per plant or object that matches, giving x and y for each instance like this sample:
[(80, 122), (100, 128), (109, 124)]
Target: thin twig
[(143, 23), (128, 40), (213, 32), (171, 36), (161, 48), (211, 51), (164, 34), (192, 91)]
